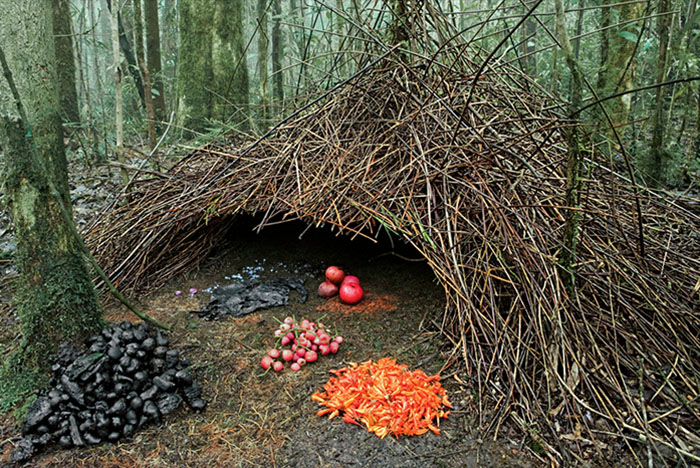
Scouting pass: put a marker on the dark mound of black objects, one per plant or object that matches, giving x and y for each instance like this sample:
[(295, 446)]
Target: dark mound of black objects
[(128, 378), (247, 296)]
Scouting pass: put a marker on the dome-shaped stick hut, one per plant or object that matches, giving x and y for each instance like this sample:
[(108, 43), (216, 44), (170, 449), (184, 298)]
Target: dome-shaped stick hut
[(470, 172)]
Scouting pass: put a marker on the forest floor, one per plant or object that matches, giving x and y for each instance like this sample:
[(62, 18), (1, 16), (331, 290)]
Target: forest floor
[(256, 420)]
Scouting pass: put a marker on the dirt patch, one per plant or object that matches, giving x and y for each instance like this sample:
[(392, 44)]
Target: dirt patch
[(372, 303)]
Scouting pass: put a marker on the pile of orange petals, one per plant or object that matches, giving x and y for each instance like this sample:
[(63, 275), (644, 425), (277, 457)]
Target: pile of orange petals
[(386, 398)]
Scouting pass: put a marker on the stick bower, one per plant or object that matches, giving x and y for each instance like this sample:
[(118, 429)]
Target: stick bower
[(479, 192)]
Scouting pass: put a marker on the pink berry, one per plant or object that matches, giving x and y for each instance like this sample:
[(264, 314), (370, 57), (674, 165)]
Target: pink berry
[(284, 341), (277, 366), (334, 347), (265, 362), (311, 356), (284, 327), (301, 361), (305, 324), (278, 333), (178, 293), (193, 290), (300, 352), (274, 353), (338, 339), (288, 320), (310, 336), (325, 350), (295, 367), (291, 336), (324, 339), (314, 347), (287, 355)]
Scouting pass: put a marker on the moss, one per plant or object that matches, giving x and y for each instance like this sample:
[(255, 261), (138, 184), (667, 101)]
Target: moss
[(195, 74), (229, 62), (17, 385), (55, 298)]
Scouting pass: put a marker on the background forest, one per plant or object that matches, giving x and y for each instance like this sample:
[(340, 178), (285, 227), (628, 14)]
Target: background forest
[(240, 65)]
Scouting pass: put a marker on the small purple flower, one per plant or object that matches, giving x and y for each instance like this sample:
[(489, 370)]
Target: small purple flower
[(193, 291), (177, 293)]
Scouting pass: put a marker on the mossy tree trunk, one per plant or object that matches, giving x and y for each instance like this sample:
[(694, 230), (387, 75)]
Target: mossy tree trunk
[(263, 41), (621, 66), (145, 73), (55, 299), (277, 54), (229, 63), (194, 67), (573, 192), (153, 56), (658, 155), (65, 62)]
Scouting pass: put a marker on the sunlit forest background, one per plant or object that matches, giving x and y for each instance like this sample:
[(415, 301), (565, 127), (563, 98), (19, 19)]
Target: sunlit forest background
[(244, 65)]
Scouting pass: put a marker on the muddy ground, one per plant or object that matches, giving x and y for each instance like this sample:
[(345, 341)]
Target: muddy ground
[(256, 420)]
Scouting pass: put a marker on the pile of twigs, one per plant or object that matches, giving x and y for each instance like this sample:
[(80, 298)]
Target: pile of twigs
[(468, 170)]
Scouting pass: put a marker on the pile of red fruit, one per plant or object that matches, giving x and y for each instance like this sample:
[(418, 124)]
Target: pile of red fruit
[(348, 287), (305, 341)]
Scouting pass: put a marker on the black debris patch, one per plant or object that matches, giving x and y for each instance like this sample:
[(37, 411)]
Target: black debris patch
[(247, 296), (126, 379)]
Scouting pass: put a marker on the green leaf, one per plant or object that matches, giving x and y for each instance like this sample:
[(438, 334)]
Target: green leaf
[(630, 36)]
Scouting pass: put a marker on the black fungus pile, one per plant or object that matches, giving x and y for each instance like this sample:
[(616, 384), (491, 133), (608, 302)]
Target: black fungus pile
[(247, 296), (128, 378)]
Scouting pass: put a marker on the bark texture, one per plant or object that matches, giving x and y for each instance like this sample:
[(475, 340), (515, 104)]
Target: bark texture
[(153, 56), (55, 299), (65, 62)]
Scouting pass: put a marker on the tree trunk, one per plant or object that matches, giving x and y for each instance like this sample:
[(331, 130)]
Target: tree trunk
[(658, 154), (277, 54), (571, 221), (230, 101), (55, 299), (153, 56), (118, 104), (400, 34), (128, 55), (65, 62), (138, 42), (194, 67), (621, 66), (263, 41)]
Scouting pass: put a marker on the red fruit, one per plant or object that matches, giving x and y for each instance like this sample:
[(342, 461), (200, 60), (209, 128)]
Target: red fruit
[(311, 356), (287, 355), (327, 289), (274, 353), (324, 339), (314, 347), (334, 347), (284, 341), (351, 279), (291, 336), (325, 350), (288, 320), (334, 274), (301, 352), (351, 293), (277, 366), (301, 361), (305, 324), (265, 362), (295, 367), (338, 339), (310, 336)]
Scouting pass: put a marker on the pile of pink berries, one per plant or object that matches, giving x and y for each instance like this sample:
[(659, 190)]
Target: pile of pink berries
[(301, 343)]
